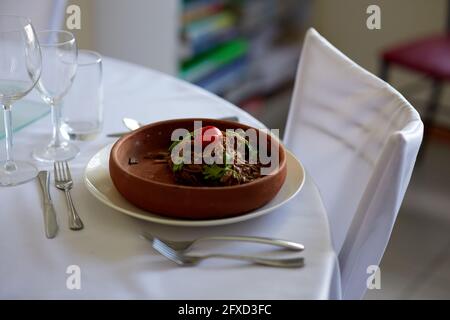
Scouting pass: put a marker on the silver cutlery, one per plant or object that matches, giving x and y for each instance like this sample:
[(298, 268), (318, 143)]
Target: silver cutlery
[(50, 223), (133, 124), (191, 260), (183, 246), (63, 181), (116, 135)]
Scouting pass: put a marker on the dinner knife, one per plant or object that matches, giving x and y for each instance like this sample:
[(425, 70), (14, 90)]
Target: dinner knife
[(51, 225), (119, 134)]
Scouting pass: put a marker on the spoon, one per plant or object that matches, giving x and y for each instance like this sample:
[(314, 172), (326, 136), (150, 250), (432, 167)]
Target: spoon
[(131, 124)]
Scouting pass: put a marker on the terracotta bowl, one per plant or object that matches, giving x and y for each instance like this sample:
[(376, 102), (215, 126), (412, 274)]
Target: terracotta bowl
[(152, 187)]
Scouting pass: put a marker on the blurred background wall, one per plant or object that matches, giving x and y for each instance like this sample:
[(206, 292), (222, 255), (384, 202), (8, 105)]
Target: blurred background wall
[(147, 33), (343, 23)]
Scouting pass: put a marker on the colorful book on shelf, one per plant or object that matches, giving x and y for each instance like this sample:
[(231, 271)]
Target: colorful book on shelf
[(195, 10), (225, 78), (190, 50), (204, 65), (210, 25)]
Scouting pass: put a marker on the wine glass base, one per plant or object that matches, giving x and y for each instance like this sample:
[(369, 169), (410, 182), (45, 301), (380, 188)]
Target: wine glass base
[(18, 172), (65, 151)]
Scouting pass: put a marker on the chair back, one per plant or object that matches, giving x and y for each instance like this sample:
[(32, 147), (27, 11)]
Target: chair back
[(358, 138)]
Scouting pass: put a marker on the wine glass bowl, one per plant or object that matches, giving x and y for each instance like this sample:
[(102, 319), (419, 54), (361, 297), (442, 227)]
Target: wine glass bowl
[(20, 69), (59, 65)]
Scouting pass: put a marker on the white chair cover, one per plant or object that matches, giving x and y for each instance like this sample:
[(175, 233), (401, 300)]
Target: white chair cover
[(358, 138)]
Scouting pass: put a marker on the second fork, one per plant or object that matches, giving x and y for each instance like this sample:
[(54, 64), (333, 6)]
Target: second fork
[(63, 181), (190, 260)]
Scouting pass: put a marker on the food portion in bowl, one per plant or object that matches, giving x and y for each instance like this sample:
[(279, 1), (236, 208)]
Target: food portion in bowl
[(236, 158), (162, 172)]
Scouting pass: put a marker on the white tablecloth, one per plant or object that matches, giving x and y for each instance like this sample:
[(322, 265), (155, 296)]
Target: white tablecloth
[(114, 261)]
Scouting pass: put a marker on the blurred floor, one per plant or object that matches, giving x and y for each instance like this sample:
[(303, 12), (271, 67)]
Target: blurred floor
[(416, 264)]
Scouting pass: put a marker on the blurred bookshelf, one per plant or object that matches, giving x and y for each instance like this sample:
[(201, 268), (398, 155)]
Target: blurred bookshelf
[(242, 50)]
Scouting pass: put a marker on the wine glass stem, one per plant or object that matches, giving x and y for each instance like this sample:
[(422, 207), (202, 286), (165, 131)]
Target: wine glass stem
[(56, 119), (9, 165)]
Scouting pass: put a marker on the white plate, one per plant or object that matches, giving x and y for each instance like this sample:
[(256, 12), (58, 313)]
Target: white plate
[(99, 183)]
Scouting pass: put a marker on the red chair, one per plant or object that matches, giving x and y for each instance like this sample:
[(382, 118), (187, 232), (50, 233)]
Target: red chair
[(429, 56)]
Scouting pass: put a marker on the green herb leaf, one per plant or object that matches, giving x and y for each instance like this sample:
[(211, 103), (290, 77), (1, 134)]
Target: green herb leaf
[(177, 167), (214, 172)]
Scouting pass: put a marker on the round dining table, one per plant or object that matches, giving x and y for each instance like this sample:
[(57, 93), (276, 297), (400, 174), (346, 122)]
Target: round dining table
[(109, 260)]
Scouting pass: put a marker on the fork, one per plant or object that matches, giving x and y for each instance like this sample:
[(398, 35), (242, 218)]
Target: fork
[(63, 181), (183, 246), (191, 260)]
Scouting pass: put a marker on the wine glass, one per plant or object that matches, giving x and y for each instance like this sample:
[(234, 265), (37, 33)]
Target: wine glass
[(20, 69), (59, 65)]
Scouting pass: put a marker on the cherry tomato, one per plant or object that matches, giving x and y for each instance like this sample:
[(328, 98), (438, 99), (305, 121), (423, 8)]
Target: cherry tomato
[(210, 134)]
